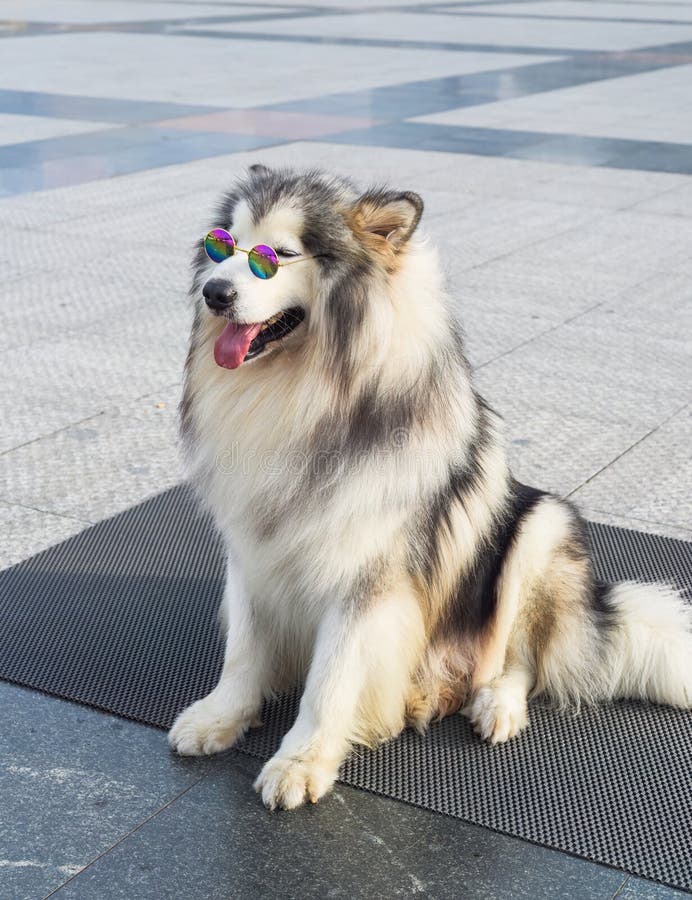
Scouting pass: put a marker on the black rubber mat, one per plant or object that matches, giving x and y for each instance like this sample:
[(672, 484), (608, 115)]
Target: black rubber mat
[(123, 617)]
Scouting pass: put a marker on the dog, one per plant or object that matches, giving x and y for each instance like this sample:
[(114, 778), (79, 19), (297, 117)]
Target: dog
[(379, 550)]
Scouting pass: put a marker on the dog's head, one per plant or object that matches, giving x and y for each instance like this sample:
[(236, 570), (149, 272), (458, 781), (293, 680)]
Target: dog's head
[(330, 244)]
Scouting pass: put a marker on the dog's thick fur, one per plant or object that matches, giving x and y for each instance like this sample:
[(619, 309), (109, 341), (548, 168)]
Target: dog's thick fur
[(379, 548)]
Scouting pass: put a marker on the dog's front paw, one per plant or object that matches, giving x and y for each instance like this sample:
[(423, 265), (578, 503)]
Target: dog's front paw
[(497, 715), (286, 782), (206, 727)]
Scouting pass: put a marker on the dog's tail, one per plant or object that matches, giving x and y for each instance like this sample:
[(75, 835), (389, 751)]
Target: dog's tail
[(638, 645), (648, 653)]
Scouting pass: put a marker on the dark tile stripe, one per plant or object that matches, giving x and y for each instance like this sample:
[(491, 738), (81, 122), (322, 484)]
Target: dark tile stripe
[(419, 44), (94, 109), (655, 156), (418, 98), (136, 139), (469, 13), (76, 159)]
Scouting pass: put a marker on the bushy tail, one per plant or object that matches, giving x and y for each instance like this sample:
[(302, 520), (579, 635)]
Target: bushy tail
[(648, 648), (634, 641)]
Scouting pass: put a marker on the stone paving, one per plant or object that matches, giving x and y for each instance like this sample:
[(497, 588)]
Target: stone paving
[(551, 141)]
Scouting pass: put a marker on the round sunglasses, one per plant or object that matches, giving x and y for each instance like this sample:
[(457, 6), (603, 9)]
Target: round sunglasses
[(262, 259)]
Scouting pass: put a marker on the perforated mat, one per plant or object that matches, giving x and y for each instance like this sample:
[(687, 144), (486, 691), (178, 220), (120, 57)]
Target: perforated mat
[(123, 617)]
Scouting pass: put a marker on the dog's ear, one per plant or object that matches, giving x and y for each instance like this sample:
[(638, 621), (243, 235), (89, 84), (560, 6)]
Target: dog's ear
[(385, 220), (259, 170)]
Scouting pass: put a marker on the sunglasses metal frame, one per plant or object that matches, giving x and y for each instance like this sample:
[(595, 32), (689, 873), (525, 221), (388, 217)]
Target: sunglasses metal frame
[(279, 264)]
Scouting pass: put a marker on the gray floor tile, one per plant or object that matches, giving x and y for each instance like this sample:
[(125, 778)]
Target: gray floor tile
[(74, 781), (574, 400), (352, 844), (24, 252), (639, 889), (99, 467), (58, 382), (80, 12), (95, 287), (491, 228), (633, 245), (663, 463), (27, 531), (551, 448), (492, 30), (18, 129), (674, 202), (71, 66), (582, 369), (610, 518), (660, 306)]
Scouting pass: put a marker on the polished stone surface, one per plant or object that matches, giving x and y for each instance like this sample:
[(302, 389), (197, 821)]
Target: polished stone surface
[(115, 814), (552, 144)]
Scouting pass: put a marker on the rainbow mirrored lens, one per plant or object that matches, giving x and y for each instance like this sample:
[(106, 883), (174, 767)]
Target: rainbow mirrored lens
[(263, 260), (219, 245)]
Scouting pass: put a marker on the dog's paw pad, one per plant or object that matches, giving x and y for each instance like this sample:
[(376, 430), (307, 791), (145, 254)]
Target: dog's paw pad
[(497, 715), (286, 783), (204, 728)]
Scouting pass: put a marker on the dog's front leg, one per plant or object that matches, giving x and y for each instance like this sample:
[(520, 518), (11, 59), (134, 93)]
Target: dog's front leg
[(359, 653), (218, 720)]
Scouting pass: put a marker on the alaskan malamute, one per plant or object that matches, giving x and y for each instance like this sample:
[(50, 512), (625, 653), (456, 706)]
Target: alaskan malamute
[(379, 549)]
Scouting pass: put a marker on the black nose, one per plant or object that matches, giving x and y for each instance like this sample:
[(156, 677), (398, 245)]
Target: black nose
[(219, 294)]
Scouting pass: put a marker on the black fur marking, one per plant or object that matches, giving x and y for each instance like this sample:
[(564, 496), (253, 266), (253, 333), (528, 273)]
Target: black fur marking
[(603, 613), (370, 581), (463, 480), (347, 439), (347, 303), (378, 420), (474, 598)]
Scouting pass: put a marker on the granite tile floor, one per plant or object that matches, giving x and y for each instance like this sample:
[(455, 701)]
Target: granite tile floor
[(551, 142)]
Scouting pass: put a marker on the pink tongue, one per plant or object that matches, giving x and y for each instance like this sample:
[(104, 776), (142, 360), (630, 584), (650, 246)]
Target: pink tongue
[(232, 344)]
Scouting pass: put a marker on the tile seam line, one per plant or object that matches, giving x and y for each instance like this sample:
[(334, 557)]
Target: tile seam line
[(383, 43), (664, 193), (541, 240), (49, 512), (146, 26), (52, 433), (619, 891), (294, 11), (469, 14), (96, 415), (124, 837), (558, 325), (625, 452), (616, 514), (540, 334)]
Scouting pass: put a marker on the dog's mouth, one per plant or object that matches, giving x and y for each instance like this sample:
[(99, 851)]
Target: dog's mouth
[(239, 343)]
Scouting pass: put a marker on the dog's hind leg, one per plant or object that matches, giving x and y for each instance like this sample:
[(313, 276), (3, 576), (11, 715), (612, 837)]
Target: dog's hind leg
[(218, 720), (505, 671), (355, 691)]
